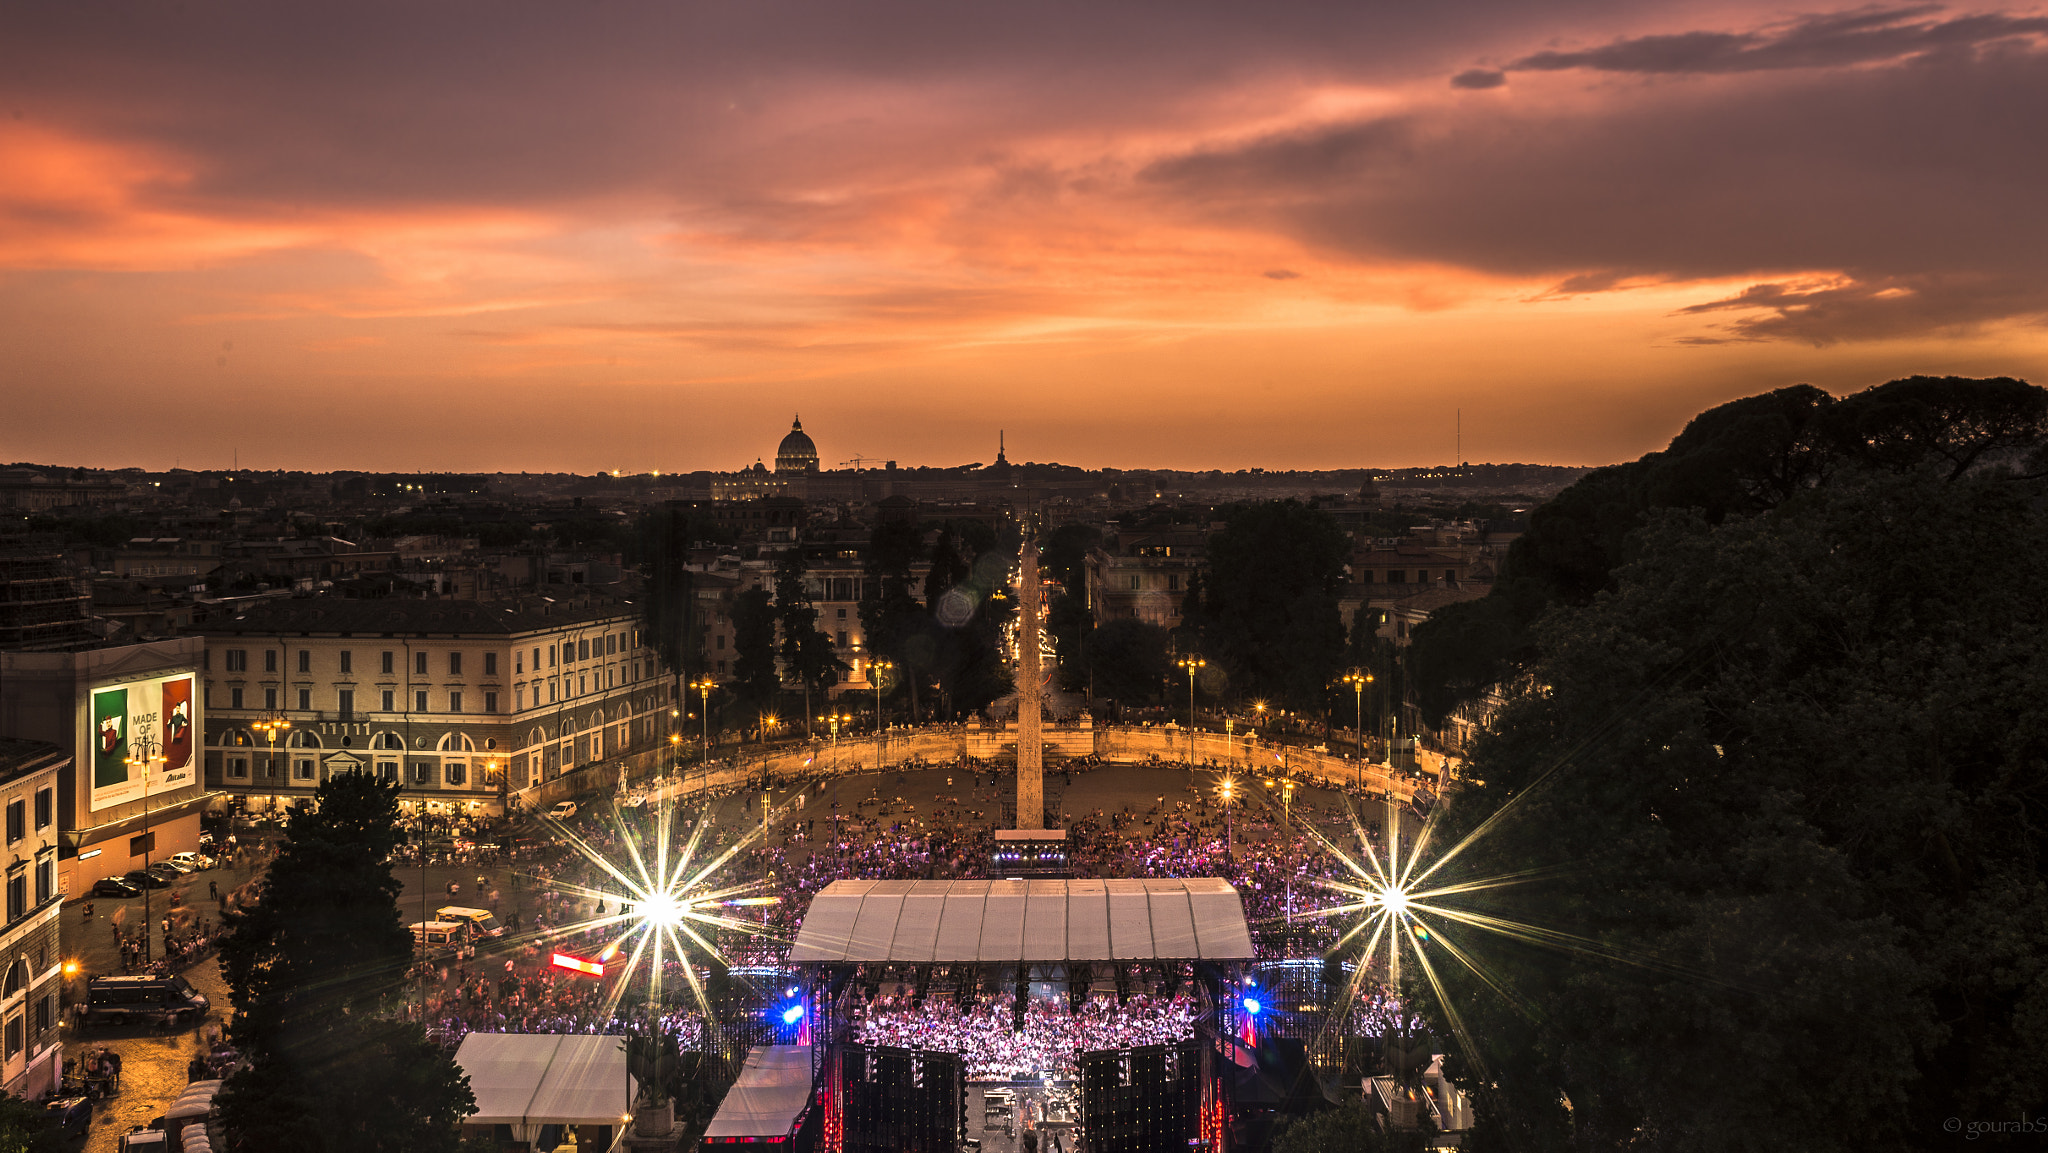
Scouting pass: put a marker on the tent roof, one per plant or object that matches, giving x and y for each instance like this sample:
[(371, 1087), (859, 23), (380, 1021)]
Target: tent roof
[(1167, 919), (546, 1079), (774, 1086)]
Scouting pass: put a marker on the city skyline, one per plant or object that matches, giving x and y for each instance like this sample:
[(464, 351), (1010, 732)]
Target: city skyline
[(521, 238)]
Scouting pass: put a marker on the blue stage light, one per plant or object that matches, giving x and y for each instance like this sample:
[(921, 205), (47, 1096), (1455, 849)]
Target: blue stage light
[(1251, 1005), (793, 1014)]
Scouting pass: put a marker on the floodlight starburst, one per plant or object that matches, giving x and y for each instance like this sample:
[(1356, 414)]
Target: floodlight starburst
[(667, 901)]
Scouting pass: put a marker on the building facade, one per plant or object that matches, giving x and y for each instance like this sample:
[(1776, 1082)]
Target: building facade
[(128, 717), (31, 1051), (464, 703)]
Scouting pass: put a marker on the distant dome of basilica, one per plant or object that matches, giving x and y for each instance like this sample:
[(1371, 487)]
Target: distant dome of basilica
[(796, 453)]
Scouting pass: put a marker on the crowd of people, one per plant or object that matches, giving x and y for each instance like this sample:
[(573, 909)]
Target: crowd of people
[(984, 1032)]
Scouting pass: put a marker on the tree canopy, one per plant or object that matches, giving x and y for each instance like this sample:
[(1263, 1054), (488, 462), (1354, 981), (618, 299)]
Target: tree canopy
[(1270, 616), (311, 968), (1786, 784), (1738, 459)]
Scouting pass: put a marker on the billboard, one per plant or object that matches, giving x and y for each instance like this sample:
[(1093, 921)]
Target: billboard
[(154, 718)]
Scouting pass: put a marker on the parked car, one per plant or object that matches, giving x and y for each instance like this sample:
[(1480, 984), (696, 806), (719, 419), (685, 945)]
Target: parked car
[(71, 1115), (168, 872), (563, 811), (142, 879), (114, 887), (129, 1000), (191, 862), (177, 866)]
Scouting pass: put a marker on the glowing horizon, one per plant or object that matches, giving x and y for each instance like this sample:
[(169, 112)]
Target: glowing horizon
[(527, 238)]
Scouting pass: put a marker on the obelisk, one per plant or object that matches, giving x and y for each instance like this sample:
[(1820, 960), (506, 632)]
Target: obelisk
[(1030, 750)]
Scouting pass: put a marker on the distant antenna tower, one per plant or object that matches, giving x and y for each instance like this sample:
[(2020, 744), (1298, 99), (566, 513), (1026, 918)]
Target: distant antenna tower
[(1461, 438)]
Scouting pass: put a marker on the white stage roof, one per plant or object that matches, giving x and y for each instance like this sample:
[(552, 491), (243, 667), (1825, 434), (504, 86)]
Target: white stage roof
[(1166, 919), (773, 1088), (546, 1079)]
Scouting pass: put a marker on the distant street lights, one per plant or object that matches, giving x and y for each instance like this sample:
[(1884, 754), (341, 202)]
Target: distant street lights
[(875, 670), (835, 718), (1192, 663), (1358, 679), (1285, 785), (272, 729), (1228, 791), (703, 685), (145, 755)]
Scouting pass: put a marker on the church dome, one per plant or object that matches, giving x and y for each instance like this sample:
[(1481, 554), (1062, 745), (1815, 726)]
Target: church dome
[(796, 453)]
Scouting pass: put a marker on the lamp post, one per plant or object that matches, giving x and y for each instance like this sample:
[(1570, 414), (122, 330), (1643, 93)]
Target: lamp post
[(1228, 791), (1358, 679), (1193, 663), (1286, 788), (875, 670), (835, 718), (768, 723), (144, 756), (703, 685)]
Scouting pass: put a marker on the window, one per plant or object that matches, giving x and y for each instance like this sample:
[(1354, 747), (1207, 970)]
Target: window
[(46, 807), (842, 638), (419, 701), (490, 664), (490, 702), (46, 1012), (842, 614), (46, 876), (583, 650), (551, 657), (234, 698), (345, 700), (387, 770), (348, 664), (305, 661), (1396, 576), (518, 663), (269, 660), (419, 772), (386, 664), (14, 1040), (270, 700), (17, 894), (419, 664), (454, 702), (582, 684), (238, 660), (1134, 582), (305, 699), (611, 643), (454, 664), (719, 644), (551, 691), (388, 702), (457, 773), (238, 767), (518, 698), (302, 769), (17, 821), (1173, 582)]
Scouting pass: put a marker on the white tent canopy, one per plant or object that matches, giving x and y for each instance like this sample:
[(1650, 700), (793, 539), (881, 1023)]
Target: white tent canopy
[(531, 1079), (1181, 919), (774, 1087)]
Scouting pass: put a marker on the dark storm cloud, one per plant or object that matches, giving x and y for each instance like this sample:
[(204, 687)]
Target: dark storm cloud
[(1918, 181), (1479, 79), (1828, 41), (281, 105)]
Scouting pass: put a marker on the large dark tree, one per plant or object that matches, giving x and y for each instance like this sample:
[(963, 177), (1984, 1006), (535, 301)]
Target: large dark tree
[(891, 617), (1789, 775), (1270, 602), (1744, 457), (806, 650), (1128, 660), (755, 677), (312, 969)]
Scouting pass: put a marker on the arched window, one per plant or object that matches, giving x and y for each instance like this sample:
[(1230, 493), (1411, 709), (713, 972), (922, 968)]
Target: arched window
[(457, 742), (17, 976), (305, 739), (387, 740), (235, 739)]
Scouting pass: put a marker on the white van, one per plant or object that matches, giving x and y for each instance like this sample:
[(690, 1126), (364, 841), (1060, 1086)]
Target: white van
[(481, 922), (563, 811), (440, 936)]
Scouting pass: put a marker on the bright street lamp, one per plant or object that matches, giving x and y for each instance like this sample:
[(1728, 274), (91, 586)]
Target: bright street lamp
[(1358, 679), (1193, 663)]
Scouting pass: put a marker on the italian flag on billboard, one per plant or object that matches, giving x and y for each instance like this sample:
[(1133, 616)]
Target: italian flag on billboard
[(155, 718)]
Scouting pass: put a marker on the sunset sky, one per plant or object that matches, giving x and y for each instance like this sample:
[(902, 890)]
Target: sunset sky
[(584, 236)]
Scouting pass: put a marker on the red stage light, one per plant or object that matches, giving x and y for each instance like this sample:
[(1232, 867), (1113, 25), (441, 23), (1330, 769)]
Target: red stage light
[(577, 965)]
